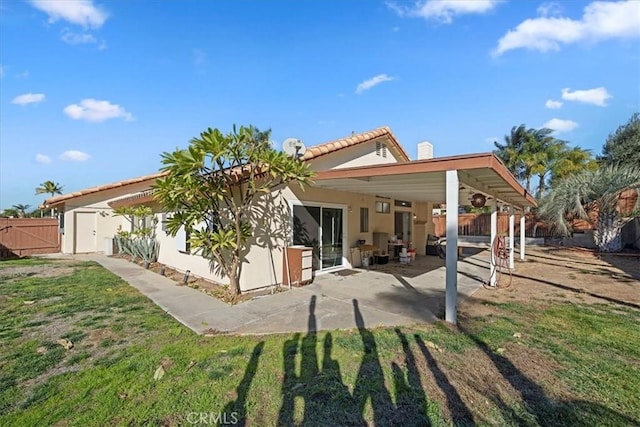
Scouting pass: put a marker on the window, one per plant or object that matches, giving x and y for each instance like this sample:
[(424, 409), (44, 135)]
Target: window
[(364, 220), (383, 207), (402, 203), (381, 149), (182, 240), (61, 222), (163, 221)]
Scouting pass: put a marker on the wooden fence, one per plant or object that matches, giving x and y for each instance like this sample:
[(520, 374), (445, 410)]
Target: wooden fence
[(480, 225), (28, 236)]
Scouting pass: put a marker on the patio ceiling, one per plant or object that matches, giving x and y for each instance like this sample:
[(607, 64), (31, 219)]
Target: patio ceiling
[(424, 180)]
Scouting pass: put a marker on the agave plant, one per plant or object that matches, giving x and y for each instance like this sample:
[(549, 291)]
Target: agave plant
[(145, 248), (596, 192)]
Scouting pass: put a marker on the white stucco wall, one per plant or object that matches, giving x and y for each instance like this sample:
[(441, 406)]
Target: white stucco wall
[(357, 155), (106, 223), (263, 263)]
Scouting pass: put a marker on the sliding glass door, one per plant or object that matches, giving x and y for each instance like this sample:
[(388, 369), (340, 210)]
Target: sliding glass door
[(331, 235), (321, 228)]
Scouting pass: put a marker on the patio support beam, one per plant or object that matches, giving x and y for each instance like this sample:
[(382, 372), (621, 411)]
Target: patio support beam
[(494, 233), (451, 295), (471, 181), (522, 233), (512, 221)]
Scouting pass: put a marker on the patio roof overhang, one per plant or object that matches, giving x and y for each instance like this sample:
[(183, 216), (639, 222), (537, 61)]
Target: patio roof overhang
[(441, 180), (425, 180)]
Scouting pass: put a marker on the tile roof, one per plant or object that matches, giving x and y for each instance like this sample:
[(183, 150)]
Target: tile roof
[(310, 154), (54, 201), (360, 138)]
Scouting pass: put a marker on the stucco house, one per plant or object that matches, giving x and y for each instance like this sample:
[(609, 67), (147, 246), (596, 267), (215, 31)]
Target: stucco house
[(366, 187)]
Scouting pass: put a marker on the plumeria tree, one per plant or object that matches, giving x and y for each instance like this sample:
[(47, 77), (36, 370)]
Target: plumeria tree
[(596, 191), (212, 186)]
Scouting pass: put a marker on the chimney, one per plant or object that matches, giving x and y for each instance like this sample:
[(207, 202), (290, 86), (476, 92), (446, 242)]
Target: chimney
[(425, 150)]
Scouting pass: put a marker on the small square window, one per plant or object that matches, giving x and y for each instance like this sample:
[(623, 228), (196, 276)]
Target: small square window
[(383, 207)]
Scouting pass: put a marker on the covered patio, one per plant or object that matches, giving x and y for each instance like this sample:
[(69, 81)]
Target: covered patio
[(447, 180)]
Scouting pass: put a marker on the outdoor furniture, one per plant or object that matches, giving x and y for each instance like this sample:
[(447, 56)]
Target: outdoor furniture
[(395, 248), (432, 244)]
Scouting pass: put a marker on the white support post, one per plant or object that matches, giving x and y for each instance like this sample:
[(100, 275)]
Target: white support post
[(494, 232), (451, 295), (512, 224), (522, 234)]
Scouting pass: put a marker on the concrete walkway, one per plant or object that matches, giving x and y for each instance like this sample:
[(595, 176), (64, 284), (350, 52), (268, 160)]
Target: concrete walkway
[(390, 296)]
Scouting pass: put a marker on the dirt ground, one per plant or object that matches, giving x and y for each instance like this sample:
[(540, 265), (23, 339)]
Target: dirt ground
[(209, 287), (519, 370), (568, 275)]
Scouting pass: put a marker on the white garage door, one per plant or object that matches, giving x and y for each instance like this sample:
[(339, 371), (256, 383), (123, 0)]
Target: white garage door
[(85, 232)]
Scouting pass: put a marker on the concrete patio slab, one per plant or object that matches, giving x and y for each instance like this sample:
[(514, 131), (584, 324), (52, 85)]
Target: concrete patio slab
[(390, 295)]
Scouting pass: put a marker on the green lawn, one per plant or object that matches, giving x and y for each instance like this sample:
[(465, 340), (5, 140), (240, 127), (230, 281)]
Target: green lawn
[(569, 365)]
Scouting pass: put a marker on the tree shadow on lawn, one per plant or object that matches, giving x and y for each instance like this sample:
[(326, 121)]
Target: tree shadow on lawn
[(539, 408), (236, 410), (327, 400)]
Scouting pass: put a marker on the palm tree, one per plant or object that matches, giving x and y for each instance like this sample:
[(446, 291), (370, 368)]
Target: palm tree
[(572, 161), (49, 187), (512, 150), (529, 153), (21, 209), (597, 191)]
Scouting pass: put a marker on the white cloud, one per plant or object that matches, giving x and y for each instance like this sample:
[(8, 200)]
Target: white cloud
[(600, 21), (79, 12), (43, 159), (549, 9), (1, 71), (72, 38), (444, 10), (28, 98), (553, 105), (560, 125), (597, 96), (93, 110), (22, 75), (74, 156), (374, 81)]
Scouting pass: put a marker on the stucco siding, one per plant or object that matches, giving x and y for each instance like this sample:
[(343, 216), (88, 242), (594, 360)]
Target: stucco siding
[(262, 261), (106, 223), (358, 155)]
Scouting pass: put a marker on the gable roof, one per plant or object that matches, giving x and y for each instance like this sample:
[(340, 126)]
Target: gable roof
[(312, 153), (57, 200), (332, 146)]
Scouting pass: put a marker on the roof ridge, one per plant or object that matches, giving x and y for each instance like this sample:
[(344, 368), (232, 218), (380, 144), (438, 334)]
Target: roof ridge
[(312, 152), (102, 187), (318, 150)]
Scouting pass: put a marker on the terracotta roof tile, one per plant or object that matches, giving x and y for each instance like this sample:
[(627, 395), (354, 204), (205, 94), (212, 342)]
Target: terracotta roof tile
[(332, 146), (54, 201), (311, 153)]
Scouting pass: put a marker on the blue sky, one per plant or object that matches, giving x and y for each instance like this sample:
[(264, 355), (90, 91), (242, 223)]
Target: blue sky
[(93, 91)]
